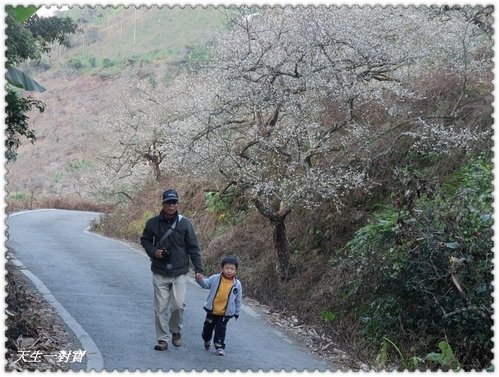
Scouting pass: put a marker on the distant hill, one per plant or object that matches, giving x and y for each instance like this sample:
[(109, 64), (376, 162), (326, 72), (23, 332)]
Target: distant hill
[(114, 38), (82, 82)]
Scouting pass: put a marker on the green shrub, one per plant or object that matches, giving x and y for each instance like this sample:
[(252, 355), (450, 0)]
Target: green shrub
[(107, 63), (79, 165), (75, 63), (216, 203), (92, 61), (424, 273), (18, 196), (198, 55), (57, 177)]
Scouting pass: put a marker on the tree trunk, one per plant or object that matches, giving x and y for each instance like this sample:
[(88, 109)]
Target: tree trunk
[(155, 158), (157, 171), (281, 246)]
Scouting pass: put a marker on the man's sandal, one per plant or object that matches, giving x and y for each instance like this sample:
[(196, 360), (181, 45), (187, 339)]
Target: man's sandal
[(161, 346)]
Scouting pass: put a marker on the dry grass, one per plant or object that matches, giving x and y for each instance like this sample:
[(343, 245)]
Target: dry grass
[(61, 202), (32, 327)]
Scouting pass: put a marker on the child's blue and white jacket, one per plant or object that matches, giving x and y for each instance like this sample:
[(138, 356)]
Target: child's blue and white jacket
[(235, 300)]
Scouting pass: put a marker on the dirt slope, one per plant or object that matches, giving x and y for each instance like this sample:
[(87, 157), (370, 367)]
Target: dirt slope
[(63, 130)]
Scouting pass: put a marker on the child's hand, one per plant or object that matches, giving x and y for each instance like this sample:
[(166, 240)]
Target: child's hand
[(198, 277)]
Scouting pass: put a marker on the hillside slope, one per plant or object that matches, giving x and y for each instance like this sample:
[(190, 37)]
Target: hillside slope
[(84, 81), (72, 102)]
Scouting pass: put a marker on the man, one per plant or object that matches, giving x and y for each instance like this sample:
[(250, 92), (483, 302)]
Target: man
[(170, 242)]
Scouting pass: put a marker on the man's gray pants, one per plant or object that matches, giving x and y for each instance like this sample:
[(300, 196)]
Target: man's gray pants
[(169, 298)]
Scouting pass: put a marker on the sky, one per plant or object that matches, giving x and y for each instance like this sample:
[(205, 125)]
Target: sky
[(48, 12)]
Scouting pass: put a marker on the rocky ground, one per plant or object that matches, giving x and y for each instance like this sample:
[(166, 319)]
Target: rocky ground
[(35, 335)]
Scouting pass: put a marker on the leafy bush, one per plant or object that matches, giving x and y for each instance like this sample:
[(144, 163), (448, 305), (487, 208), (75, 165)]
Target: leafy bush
[(79, 165), (75, 63), (198, 55), (107, 63), (92, 61), (18, 196), (216, 203), (424, 271), (226, 206)]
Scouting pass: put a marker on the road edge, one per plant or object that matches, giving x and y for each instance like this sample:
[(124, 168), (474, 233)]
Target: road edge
[(93, 355)]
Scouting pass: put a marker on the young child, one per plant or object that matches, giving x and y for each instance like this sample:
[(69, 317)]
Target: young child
[(223, 302)]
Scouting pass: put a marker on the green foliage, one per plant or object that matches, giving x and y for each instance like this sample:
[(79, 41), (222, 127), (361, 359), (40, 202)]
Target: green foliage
[(107, 63), (82, 62), (16, 120), (319, 237), (20, 43), (50, 30), (35, 36), (75, 63), (229, 209), (328, 315), (152, 81), (228, 206), (217, 203), (58, 177), (28, 37), (383, 356), (199, 56), (21, 13), (126, 32), (18, 196), (445, 358), (79, 165), (425, 272)]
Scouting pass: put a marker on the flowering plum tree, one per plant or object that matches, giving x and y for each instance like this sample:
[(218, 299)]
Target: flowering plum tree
[(141, 137), (282, 110)]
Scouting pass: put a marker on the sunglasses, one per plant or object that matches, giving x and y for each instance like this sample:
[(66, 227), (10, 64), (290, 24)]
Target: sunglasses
[(170, 203)]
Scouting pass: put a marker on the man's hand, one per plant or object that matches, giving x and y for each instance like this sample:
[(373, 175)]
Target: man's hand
[(159, 254)]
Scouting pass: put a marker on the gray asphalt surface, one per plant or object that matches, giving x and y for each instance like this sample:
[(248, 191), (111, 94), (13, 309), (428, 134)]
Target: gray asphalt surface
[(103, 290)]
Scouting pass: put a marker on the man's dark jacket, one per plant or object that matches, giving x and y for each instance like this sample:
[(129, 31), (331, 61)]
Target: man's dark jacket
[(182, 244)]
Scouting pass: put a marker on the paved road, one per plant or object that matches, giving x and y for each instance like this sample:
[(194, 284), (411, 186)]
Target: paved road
[(103, 290)]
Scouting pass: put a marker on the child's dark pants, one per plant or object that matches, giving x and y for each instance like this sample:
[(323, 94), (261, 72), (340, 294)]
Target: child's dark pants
[(217, 323)]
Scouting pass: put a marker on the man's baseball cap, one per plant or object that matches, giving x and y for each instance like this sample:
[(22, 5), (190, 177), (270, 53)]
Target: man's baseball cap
[(170, 196)]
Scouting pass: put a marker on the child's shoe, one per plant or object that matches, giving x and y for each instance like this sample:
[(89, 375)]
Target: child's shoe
[(207, 345), (220, 352)]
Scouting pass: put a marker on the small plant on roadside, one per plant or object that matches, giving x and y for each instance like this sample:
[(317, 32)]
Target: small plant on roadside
[(445, 358), (383, 355), (328, 315)]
